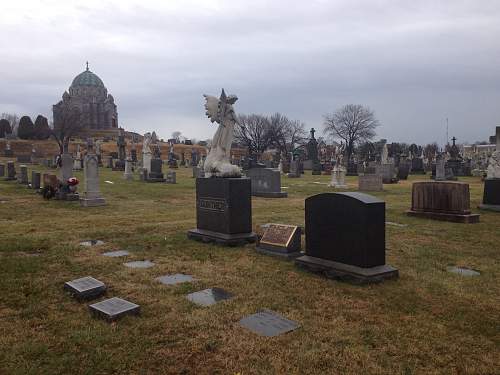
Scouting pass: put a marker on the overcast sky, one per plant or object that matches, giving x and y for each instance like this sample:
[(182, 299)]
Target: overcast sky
[(415, 63)]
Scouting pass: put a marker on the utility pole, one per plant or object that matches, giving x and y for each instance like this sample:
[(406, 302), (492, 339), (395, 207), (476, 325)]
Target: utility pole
[(447, 141)]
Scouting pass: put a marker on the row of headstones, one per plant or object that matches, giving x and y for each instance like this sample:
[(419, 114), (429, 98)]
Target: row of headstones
[(23, 175), (264, 322)]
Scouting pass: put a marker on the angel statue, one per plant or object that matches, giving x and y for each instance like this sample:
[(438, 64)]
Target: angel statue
[(220, 110)]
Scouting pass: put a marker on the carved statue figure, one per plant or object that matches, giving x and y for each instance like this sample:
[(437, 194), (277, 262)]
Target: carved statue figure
[(220, 110)]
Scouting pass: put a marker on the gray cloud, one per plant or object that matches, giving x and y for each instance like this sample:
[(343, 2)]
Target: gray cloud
[(414, 63)]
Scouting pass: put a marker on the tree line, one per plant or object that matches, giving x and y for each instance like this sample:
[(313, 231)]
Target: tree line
[(24, 127)]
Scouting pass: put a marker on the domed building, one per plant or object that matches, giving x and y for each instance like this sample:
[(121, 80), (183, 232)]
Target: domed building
[(88, 93)]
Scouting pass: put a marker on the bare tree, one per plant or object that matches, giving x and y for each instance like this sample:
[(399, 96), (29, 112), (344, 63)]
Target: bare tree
[(252, 131), (70, 121), (285, 134), (353, 124)]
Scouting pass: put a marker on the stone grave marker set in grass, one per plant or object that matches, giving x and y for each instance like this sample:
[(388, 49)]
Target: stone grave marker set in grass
[(139, 264), (114, 308), (268, 323), (177, 278), (116, 254), (85, 288), (280, 239), (209, 296), (89, 243), (345, 237)]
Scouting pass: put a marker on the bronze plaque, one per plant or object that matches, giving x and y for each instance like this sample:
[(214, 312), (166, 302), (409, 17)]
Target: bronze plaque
[(278, 234)]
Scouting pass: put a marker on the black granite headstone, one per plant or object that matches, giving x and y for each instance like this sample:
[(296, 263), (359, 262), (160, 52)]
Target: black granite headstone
[(223, 211), (268, 323), (85, 288), (491, 195), (155, 174), (345, 237), (114, 308)]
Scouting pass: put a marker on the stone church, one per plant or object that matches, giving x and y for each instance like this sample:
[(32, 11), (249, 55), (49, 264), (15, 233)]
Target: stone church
[(98, 108)]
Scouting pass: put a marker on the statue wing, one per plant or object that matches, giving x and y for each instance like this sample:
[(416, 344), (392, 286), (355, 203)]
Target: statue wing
[(212, 107)]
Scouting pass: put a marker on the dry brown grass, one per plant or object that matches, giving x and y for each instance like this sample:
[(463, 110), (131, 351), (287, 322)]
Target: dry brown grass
[(429, 321)]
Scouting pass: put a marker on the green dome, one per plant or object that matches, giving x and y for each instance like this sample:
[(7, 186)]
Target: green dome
[(87, 78)]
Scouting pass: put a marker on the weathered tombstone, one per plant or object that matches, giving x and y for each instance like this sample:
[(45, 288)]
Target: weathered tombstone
[(345, 237), (2, 170), (370, 182), (388, 173), (114, 308), (171, 177), (108, 161), (223, 211), (447, 201), (196, 171), (66, 171), (338, 177), (491, 193), (294, 169), (403, 171), (23, 175), (143, 174), (209, 297), (440, 171), (128, 175), (11, 171), (268, 323), (8, 153), (417, 166), (266, 182), (280, 239), (155, 174), (35, 180), (92, 195), (85, 288)]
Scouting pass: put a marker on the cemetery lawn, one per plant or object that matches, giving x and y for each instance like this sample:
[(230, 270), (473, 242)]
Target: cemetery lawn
[(428, 321)]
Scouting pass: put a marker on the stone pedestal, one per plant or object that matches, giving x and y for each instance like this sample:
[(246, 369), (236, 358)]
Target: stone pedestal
[(338, 178), (91, 196), (345, 237), (266, 182), (223, 211), (446, 201), (491, 195)]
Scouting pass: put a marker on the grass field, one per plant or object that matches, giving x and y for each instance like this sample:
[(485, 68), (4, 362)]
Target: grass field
[(428, 321)]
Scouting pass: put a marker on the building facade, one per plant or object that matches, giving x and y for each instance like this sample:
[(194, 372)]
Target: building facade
[(88, 94)]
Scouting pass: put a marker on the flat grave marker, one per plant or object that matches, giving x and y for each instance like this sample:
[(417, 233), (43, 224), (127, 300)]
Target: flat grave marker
[(114, 308), (463, 271), (85, 288), (90, 243), (117, 253), (139, 264), (268, 323), (177, 278), (280, 239), (209, 297)]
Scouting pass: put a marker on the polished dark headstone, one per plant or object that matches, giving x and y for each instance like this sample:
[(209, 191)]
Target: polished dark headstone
[(139, 264), (114, 308), (223, 211), (155, 173), (345, 237), (85, 288), (463, 271), (491, 195), (268, 323), (90, 243), (209, 297), (177, 278), (117, 253), (266, 182), (280, 239)]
